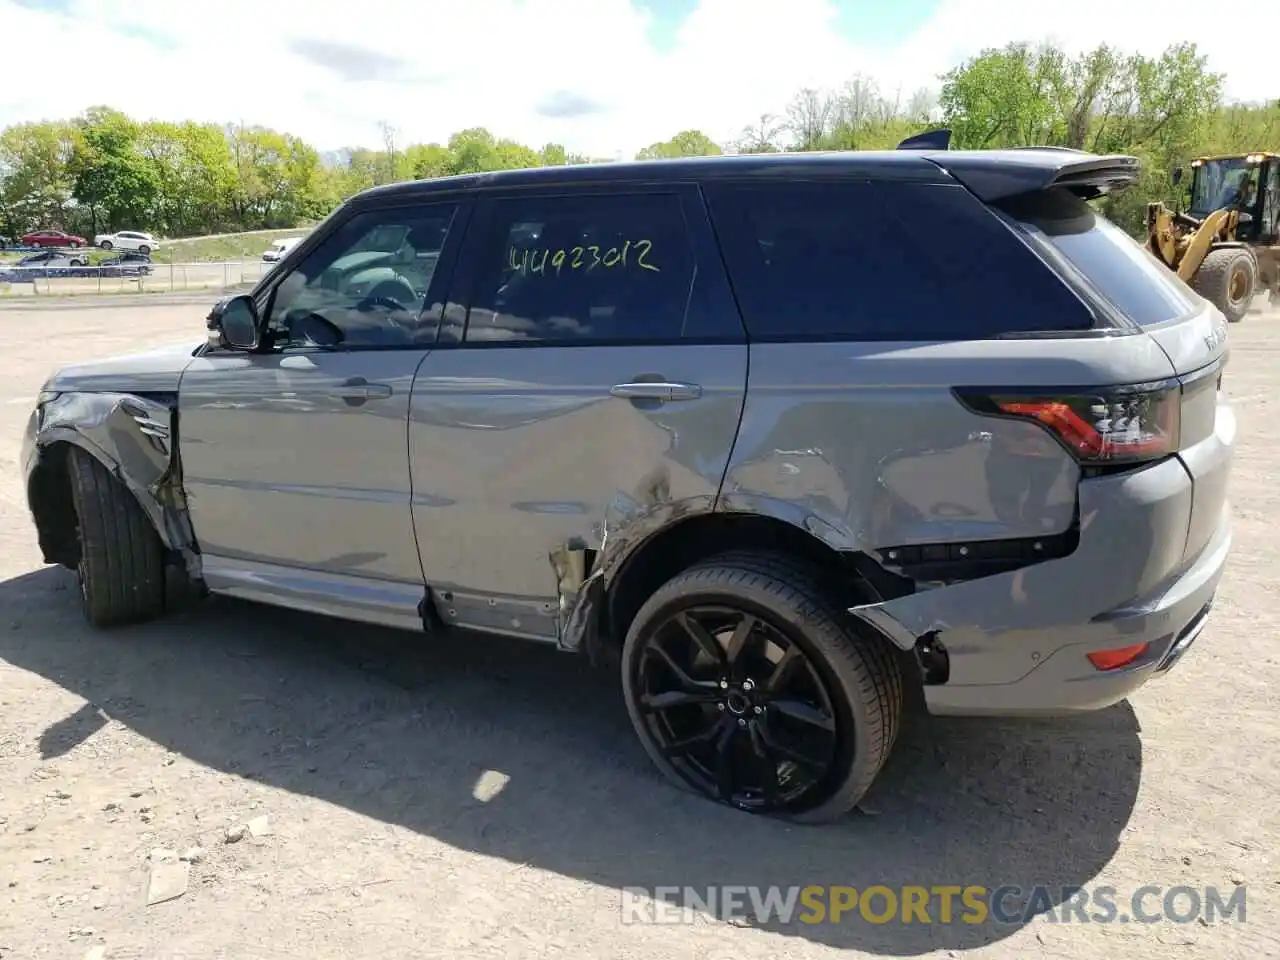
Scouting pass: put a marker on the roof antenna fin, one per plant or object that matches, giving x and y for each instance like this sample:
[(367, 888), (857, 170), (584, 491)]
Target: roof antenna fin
[(929, 140)]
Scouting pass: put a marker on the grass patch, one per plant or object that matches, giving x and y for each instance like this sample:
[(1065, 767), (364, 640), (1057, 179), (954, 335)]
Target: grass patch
[(235, 246)]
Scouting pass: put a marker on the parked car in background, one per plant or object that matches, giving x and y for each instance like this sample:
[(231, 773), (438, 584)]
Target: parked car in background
[(52, 258), (126, 265), (127, 240), (46, 263), (52, 238), (278, 250)]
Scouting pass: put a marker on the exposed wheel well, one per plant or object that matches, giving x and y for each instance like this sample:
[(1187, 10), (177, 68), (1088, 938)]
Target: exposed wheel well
[(690, 541), (49, 494)]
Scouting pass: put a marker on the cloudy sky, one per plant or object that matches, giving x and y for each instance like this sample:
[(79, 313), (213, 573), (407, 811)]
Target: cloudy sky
[(599, 76)]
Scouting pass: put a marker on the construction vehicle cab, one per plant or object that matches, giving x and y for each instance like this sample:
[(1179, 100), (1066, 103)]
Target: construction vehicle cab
[(1226, 244)]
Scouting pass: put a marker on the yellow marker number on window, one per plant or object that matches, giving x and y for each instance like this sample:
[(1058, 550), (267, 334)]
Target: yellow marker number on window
[(586, 258)]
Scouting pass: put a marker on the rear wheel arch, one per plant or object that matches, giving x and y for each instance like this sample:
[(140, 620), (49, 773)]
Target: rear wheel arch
[(682, 545)]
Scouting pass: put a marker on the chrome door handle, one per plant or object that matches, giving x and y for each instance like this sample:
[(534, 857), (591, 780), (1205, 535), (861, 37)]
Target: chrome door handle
[(657, 390)]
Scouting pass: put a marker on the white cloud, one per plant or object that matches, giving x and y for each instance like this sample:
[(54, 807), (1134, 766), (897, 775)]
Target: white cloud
[(440, 66)]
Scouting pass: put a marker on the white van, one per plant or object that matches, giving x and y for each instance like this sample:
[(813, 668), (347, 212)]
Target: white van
[(278, 249)]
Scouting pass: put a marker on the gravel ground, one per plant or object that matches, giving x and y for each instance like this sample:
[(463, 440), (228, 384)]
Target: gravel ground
[(416, 799)]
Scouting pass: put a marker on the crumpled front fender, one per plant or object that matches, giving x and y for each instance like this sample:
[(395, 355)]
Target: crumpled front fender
[(135, 438)]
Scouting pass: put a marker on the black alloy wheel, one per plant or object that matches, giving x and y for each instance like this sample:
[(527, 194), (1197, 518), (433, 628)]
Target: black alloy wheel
[(737, 707), (746, 686)]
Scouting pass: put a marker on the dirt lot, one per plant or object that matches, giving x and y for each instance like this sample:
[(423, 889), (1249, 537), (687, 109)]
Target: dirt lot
[(485, 798)]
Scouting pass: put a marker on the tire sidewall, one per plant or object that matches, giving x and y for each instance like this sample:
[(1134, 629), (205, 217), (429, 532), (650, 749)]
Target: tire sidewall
[(1250, 266), (1242, 260), (852, 730)]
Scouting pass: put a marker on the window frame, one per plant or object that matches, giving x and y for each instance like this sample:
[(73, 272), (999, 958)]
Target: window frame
[(709, 284), (436, 298)]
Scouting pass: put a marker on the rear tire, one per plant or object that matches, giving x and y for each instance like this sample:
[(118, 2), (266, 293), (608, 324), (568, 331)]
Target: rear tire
[(854, 683), (1226, 279), (121, 569)]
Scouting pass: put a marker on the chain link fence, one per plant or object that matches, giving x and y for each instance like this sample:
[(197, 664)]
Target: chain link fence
[(62, 281)]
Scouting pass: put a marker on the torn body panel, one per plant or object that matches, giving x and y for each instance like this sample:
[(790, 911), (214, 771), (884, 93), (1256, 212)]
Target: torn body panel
[(584, 575), (1017, 642), (136, 438)]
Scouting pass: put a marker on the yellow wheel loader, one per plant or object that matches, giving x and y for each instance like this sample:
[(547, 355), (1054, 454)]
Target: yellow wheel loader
[(1226, 244)]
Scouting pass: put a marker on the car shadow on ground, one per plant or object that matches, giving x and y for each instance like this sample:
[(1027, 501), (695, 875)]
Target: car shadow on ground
[(401, 729)]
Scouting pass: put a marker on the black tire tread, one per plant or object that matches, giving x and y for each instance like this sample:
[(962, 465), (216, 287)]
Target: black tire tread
[(122, 558), (1211, 279), (867, 663)]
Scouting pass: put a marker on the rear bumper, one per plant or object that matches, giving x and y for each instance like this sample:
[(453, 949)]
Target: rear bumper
[(1065, 681), (1017, 643)]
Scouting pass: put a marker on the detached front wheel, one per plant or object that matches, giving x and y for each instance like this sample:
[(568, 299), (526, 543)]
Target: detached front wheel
[(748, 685), (121, 568)]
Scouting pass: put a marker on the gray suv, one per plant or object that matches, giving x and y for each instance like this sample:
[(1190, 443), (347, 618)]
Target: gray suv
[(790, 441)]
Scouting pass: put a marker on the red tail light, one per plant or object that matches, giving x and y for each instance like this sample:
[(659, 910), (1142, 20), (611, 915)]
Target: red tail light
[(1118, 657), (1111, 425)]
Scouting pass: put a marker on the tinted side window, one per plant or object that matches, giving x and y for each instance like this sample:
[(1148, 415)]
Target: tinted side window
[(883, 261), (366, 284), (1127, 275), (585, 269)]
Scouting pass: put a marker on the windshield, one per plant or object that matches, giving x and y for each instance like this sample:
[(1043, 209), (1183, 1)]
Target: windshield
[(1124, 273), (1217, 184)]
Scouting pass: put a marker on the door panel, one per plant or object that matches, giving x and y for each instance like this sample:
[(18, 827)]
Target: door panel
[(518, 453), (287, 461), (296, 457), (592, 376)]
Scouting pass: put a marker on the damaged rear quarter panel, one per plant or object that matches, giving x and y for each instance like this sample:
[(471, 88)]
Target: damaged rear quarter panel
[(866, 442)]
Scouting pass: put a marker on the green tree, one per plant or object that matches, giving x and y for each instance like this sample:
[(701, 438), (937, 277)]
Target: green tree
[(112, 179), (428, 160), (762, 136), (35, 178), (1005, 98), (686, 143)]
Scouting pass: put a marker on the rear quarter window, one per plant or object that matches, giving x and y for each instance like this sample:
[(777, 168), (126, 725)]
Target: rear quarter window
[(883, 261), (1117, 267)]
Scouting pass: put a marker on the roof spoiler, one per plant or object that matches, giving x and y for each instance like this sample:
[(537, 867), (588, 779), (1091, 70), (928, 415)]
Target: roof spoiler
[(1098, 175), (929, 140), (996, 174)]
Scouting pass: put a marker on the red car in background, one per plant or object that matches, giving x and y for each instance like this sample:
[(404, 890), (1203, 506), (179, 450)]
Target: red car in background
[(52, 238)]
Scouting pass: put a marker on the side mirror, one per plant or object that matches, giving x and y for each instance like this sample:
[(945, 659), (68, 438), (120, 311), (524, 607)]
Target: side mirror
[(234, 323), (1245, 217), (1177, 176)]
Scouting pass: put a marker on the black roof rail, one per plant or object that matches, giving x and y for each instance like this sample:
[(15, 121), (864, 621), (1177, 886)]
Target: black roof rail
[(929, 140)]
